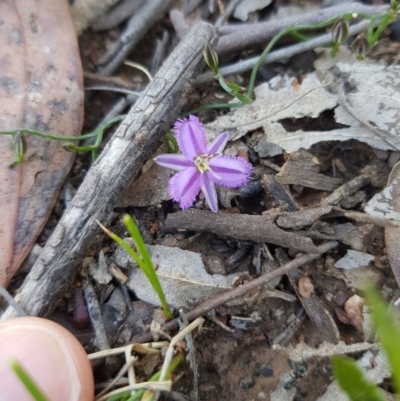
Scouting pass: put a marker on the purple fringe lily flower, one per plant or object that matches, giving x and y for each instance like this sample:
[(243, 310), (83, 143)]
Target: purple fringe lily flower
[(200, 166)]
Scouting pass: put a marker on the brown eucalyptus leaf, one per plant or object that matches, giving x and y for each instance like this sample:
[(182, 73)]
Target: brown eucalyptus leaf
[(41, 87)]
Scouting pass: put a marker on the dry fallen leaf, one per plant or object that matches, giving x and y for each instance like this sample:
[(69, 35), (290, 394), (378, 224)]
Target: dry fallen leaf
[(41, 87), (372, 97), (182, 275)]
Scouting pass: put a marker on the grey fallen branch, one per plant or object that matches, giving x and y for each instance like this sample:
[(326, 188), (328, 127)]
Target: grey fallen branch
[(244, 289), (243, 36), (279, 55), (250, 35), (244, 227), (136, 139), (118, 14), (136, 28)]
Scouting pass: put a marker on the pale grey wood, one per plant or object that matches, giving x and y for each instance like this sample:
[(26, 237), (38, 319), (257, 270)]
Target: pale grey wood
[(136, 28), (135, 140)]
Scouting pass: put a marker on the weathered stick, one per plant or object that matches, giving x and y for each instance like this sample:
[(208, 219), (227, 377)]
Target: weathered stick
[(240, 226), (117, 15), (236, 37), (136, 138), (280, 54), (137, 26), (256, 34)]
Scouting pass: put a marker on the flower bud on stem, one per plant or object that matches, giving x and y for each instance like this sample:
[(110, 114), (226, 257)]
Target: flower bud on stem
[(340, 33), (19, 148), (360, 46)]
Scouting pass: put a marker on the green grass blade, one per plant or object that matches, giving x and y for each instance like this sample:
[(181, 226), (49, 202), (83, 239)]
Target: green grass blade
[(137, 237), (124, 245), (149, 270), (28, 382), (351, 379), (388, 332), (143, 260)]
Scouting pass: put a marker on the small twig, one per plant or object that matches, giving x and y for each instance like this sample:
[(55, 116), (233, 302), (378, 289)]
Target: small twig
[(152, 347), (227, 13), (97, 79), (183, 323), (96, 317), (159, 52), (131, 370), (349, 188), (119, 106), (366, 218), (170, 351), (136, 28), (117, 15), (256, 283), (279, 55), (112, 89), (240, 226), (179, 23), (153, 386), (139, 67), (346, 105), (180, 336), (244, 289), (11, 301), (114, 381), (271, 165), (283, 338)]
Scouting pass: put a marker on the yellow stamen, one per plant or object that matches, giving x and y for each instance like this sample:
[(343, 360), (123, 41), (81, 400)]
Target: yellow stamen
[(201, 162)]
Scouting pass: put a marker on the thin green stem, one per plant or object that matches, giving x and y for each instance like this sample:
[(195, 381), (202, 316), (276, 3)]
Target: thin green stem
[(279, 36), (49, 136), (387, 19), (373, 36), (299, 36), (64, 138)]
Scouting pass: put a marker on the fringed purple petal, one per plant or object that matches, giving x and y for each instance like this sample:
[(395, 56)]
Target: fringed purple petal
[(229, 171), (191, 136), (219, 143), (185, 185), (210, 193), (174, 162)]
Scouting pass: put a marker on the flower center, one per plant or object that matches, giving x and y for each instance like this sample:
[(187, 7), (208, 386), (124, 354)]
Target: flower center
[(201, 162)]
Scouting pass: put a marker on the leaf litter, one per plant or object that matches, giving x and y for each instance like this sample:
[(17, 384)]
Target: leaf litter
[(372, 95), (273, 126)]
